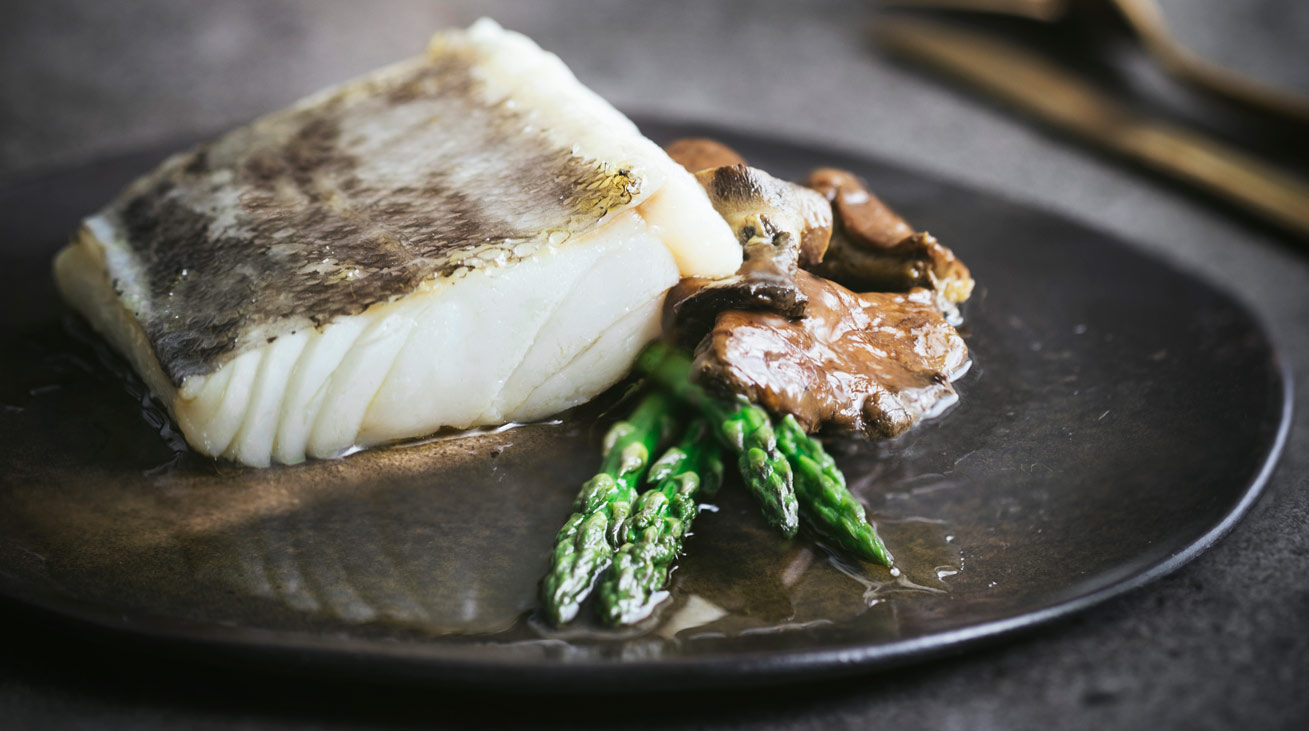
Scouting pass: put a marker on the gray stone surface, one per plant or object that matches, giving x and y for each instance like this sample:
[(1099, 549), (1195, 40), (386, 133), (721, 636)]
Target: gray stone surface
[(1222, 643)]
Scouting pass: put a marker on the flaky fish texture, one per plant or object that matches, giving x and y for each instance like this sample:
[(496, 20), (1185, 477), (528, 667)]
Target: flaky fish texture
[(470, 237)]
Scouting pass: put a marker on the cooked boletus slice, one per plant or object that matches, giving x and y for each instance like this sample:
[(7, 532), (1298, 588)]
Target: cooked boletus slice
[(780, 225), (701, 153), (873, 249), (760, 207), (871, 363)]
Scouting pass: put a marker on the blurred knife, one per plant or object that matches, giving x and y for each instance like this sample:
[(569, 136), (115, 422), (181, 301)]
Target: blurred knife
[(1038, 87)]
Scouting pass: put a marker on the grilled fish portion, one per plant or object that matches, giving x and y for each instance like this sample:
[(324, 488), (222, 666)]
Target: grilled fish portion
[(465, 238)]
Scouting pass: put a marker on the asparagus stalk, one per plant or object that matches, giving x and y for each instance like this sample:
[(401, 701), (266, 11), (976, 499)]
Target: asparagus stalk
[(585, 545), (660, 522), (741, 426), (826, 505)]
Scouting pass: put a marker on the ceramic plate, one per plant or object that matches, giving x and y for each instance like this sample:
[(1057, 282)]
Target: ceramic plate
[(1119, 417)]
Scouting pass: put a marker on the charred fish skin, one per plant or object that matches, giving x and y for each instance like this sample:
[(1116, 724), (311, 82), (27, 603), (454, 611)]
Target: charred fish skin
[(373, 212), (349, 199)]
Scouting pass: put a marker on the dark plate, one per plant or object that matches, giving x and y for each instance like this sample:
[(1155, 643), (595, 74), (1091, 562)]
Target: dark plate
[(1119, 418)]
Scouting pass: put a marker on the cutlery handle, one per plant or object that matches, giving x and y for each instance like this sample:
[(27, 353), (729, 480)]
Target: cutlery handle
[(1146, 18), (1040, 88)]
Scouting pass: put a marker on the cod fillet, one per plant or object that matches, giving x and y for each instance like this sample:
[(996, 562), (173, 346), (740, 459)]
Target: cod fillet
[(470, 237)]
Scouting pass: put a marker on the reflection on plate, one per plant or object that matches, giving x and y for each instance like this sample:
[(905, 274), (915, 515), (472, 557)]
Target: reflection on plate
[(1119, 417)]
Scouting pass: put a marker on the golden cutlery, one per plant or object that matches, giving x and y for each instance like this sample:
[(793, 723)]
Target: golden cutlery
[(1033, 84), (1145, 19)]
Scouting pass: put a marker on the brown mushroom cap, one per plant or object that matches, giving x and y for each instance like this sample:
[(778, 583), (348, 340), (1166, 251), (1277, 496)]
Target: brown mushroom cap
[(755, 203), (780, 225), (874, 249), (870, 364), (863, 214), (699, 153)]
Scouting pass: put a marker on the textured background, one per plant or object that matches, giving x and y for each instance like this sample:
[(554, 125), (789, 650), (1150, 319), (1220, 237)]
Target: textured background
[(1222, 643)]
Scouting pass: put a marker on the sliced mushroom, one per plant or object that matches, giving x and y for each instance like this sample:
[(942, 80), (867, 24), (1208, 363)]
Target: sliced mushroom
[(760, 207), (871, 364), (873, 249), (701, 153), (780, 226)]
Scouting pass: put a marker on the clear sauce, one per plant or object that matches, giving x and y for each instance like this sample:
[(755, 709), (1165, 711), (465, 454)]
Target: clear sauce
[(444, 537)]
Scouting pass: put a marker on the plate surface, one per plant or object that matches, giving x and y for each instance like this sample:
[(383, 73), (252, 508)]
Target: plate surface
[(1120, 416)]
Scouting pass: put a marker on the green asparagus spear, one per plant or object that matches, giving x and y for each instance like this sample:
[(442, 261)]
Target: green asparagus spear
[(826, 505), (586, 544), (660, 522), (741, 426)]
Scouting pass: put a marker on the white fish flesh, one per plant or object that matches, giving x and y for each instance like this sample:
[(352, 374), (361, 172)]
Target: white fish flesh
[(466, 238)]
